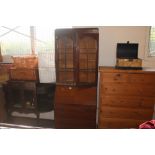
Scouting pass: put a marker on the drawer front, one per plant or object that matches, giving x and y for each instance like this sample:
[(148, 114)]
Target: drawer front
[(142, 78), (129, 113), (127, 89), (128, 77), (114, 77), (117, 123), (74, 95), (127, 101)]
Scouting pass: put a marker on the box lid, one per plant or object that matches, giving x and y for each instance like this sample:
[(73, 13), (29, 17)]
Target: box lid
[(127, 50)]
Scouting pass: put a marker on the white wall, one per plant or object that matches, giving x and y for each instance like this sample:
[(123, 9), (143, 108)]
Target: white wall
[(109, 36)]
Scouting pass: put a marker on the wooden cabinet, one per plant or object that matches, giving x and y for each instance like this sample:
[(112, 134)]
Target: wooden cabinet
[(127, 97), (29, 97), (76, 78), (21, 96)]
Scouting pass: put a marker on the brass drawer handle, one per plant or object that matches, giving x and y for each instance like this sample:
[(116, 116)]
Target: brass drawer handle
[(70, 88)]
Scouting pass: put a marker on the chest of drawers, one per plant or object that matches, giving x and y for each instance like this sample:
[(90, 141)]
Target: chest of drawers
[(126, 97)]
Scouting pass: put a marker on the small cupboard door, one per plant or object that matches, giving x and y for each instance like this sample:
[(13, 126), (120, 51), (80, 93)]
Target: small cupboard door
[(87, 55)]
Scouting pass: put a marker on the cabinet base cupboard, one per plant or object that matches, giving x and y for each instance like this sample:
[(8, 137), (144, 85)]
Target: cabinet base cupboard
[(75, 107), (76, 52)]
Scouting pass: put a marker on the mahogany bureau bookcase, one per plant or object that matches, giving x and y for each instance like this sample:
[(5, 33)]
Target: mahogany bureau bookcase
[(76, 52), (126, 97)]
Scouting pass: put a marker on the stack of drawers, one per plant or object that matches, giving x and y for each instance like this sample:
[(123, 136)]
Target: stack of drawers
[(126, 97)]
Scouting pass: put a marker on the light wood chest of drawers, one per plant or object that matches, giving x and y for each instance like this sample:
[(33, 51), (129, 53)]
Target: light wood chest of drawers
[(126, 97)]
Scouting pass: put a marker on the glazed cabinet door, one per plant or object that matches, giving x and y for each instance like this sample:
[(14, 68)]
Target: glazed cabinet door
[(65, 65), (87, 54)]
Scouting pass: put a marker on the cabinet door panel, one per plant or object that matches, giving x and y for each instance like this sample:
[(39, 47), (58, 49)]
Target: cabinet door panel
[(86, 96), (66, 77), (64, 95), (87, 77), (65, 68), (87, 55), (73, 116)]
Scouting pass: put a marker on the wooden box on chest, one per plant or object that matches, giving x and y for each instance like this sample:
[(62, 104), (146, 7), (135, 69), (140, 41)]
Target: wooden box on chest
[(126, 97), (76, 78)]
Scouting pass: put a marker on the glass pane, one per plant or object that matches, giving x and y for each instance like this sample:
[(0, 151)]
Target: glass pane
[(15, 41), (66, 76), (87, 59), (152, 41), (45, 39), (87, 42), (87, 77)]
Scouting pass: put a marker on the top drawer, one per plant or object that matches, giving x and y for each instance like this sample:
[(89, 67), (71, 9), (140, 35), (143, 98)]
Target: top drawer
[(142, 78), (114, 77), (128, 77)]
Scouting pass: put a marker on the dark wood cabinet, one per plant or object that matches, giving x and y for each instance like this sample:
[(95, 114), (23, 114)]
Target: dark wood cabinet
[(21, 96), (29, 97), (76, 77)]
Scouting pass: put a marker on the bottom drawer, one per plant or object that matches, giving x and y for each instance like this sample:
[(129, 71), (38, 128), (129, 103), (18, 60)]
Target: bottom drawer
[(126, 113), (117, 123)]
